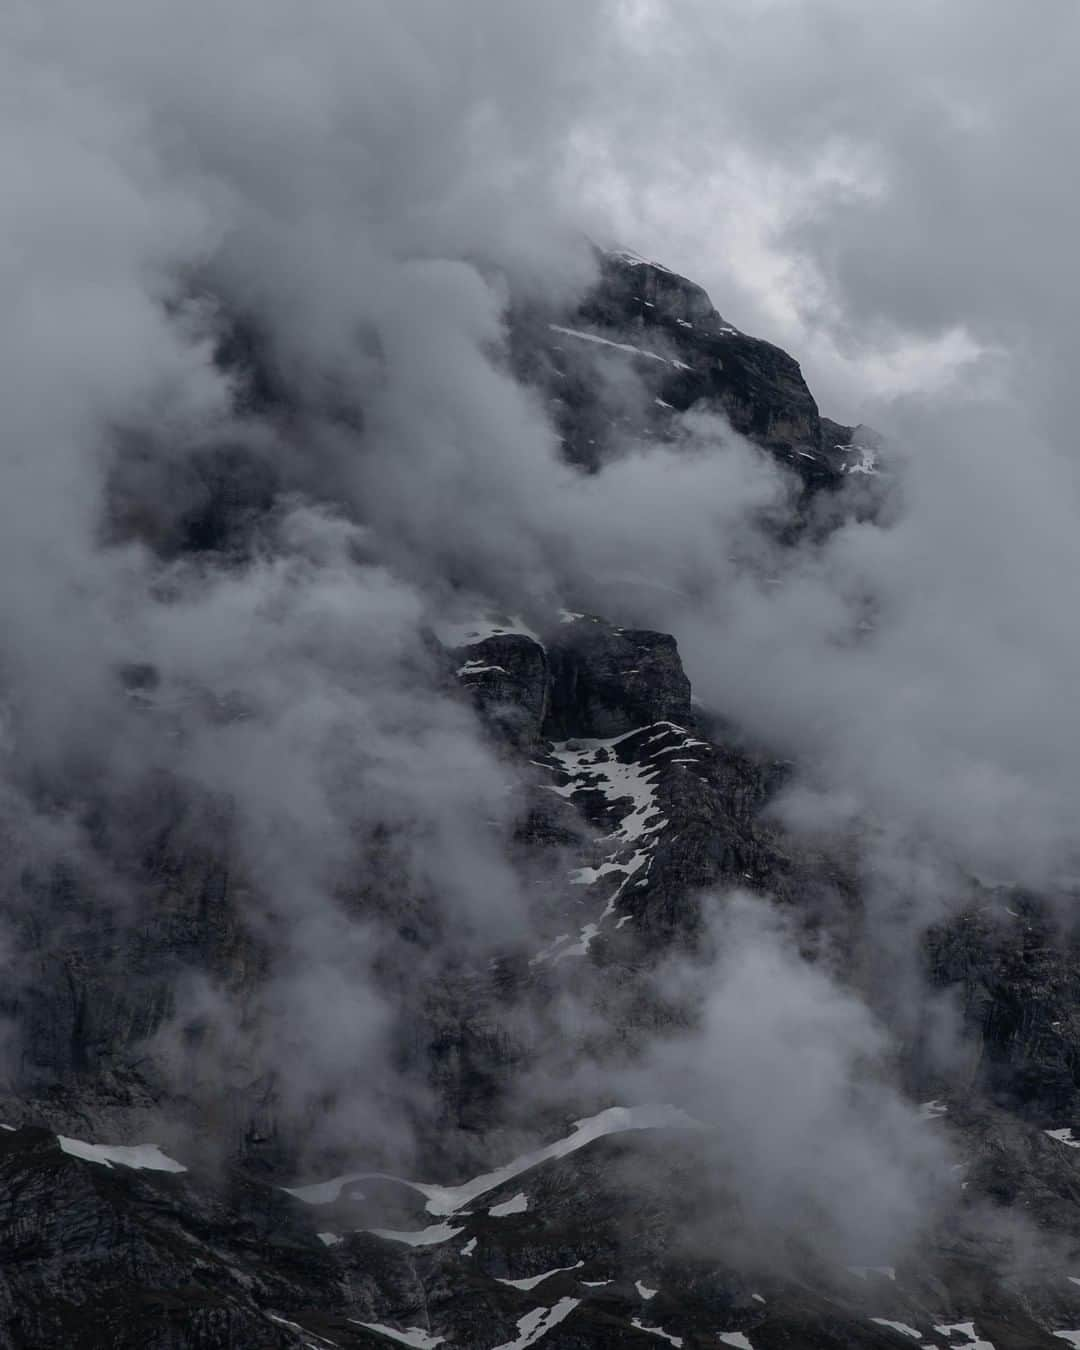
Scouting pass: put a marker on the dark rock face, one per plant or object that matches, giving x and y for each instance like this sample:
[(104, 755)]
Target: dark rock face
[(587, 678), (102, 1256), (667, 328), (1018, 979), (507, 676), (95, 1255), (606, 681), (684, 355)]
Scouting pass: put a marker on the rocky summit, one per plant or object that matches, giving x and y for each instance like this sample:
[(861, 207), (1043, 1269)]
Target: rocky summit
[(165, 1182)]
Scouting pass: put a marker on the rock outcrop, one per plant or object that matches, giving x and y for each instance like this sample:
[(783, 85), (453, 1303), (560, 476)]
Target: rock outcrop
[(686, 356), (606, 680)]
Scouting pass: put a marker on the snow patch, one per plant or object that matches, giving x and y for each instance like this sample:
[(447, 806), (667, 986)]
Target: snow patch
[(589, 876), (479, 668), (531, 1281), (295, 1326), (866, 463), (618, 346), (581, 946), (448, 1200), (644, 1290), (1063, 1137), (464, 632), (517, 1204), (901, 1327), (590, 765), (628, 255), (964, 1329), (735, 1338), (656, 1331), (469, 1247), (538, 1323), (1073, 1337), (414, 1336), (326, 1192), (614, 1120), (146, 1157), (425, 1237), (329, 1239)]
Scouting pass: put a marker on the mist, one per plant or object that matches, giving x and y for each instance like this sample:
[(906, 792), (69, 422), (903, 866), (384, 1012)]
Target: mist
[(359, 191)]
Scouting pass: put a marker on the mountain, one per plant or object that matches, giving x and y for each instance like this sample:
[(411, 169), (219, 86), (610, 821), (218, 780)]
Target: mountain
[(168, 1179)]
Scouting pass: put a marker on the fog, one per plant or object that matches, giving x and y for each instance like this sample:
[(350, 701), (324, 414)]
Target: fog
[(357, 191)]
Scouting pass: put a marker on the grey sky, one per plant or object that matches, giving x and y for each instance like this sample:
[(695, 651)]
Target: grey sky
[(858, 182)]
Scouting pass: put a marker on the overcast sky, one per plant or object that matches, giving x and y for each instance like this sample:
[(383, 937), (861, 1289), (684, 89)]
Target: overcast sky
[(883, 188)]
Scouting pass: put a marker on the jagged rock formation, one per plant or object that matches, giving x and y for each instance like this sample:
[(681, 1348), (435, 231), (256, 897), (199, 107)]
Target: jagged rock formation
[(685, 355), (641, 805)]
